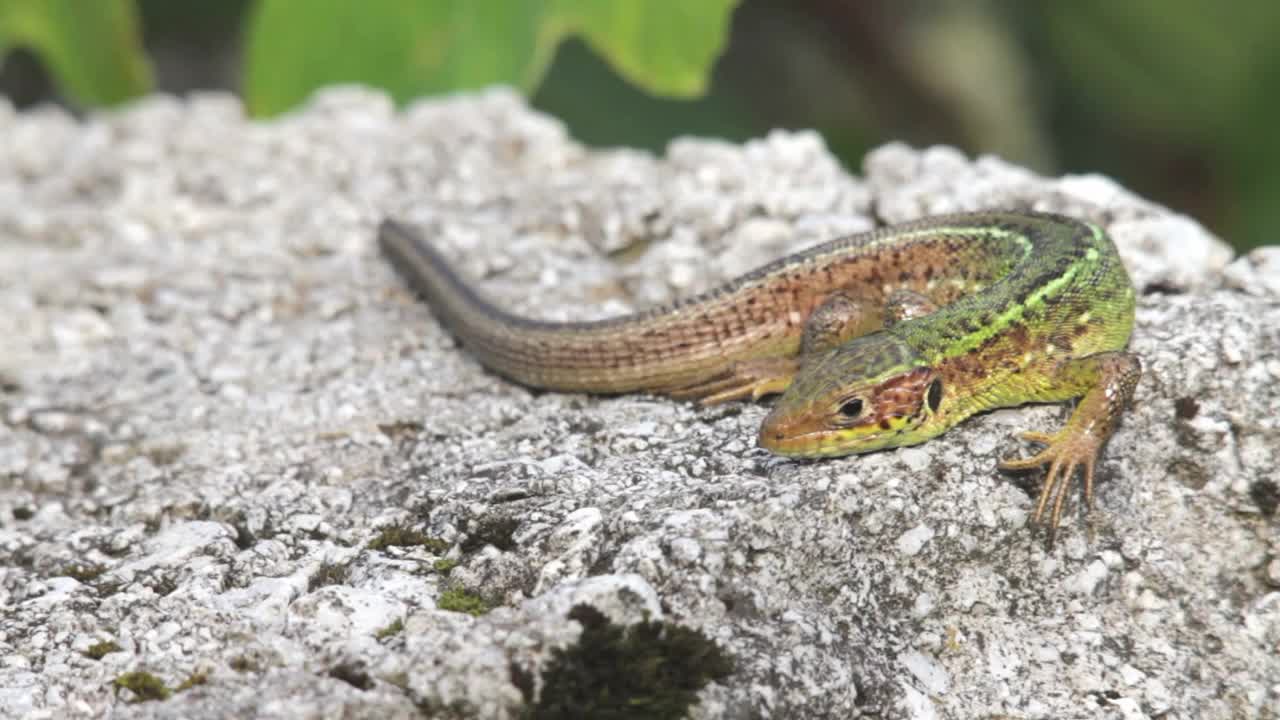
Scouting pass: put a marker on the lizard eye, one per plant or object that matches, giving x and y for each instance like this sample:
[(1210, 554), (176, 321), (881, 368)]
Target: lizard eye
[(851, 409)]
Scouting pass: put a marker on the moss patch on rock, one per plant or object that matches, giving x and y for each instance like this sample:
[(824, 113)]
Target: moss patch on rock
[(329, 574), (647, 670), (405, 536), (101, 649), (458, 599), (144, 686)]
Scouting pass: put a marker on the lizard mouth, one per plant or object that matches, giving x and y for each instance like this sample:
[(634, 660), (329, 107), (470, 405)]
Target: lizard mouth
[(807, 437), (804, 435)]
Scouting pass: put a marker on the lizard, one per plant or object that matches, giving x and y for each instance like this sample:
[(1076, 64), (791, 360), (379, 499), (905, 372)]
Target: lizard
[(876, 340)]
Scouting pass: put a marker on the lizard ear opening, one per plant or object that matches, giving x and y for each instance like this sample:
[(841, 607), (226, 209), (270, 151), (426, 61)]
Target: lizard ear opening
[(934, 395)]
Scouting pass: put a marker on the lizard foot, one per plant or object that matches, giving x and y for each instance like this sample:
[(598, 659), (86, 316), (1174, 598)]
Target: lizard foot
[(1065, 452), (746, 378)]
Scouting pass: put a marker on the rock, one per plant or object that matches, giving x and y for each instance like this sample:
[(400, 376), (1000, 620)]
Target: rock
[(214, 394)]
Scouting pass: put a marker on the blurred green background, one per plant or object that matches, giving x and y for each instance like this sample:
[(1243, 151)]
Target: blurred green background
[(1176, 99)]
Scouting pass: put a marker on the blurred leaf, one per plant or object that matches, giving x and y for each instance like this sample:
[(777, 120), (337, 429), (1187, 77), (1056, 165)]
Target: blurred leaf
[(967, 55), (407, 47), (1179, 64), (414, 48), (601, 108), (666, 47), (1251, 158), (1184, 72), (92, 49)]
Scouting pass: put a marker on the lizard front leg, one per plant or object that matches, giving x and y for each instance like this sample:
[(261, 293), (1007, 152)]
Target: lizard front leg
[(1105, 382)]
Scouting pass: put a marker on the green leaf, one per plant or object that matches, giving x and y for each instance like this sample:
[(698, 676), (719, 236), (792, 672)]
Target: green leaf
[(92, 48), (407, 47), (666, 47), (412, 48)]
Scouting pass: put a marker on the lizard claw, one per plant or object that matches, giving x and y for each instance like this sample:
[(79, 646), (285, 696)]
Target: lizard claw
[(1036, 437), (1065, 453)]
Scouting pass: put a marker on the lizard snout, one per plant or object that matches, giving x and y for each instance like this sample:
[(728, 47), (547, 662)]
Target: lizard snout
[(780, 432)]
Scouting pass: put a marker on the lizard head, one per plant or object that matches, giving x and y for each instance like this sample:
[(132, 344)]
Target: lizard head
[(871, 393)]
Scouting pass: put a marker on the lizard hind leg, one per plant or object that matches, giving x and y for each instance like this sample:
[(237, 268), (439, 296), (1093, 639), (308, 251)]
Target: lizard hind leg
[(840, 317), (743, 379), (1105, 382)]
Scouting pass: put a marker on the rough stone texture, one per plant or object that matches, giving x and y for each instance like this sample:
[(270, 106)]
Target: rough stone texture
[(212, 389)]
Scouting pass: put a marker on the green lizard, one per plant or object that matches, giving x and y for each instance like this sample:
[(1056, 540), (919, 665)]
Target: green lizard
[(878, 340)]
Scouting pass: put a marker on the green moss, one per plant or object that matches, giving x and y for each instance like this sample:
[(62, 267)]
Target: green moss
[(329, 574), (400, 429), (164, 455), (393, 629), (353, 674), (143, 685), (460, 600), (646, 670), (444, 565), (82, 573), (199, 677), (107, 589), (98, 650), (438, 710), (423, 510), (244, 664), (164, 585), (399, 679), (496, 531), (405, 536)]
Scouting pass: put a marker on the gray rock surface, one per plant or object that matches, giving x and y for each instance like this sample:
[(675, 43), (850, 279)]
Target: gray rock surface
[(214, 395)]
